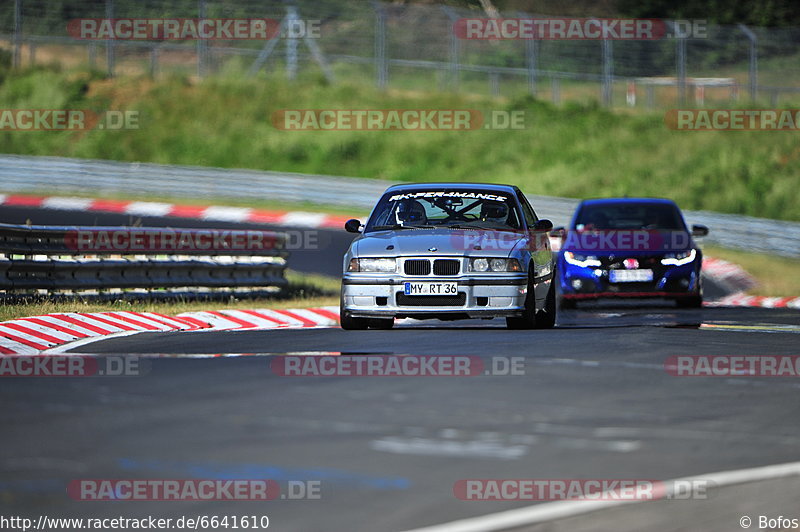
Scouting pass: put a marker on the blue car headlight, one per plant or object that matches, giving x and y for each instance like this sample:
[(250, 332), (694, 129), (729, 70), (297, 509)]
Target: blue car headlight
[(584, 261), (679, 259)]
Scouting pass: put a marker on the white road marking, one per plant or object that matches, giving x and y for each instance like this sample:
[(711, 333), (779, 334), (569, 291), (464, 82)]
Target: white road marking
[(546, 512), (65, 348), (433, 447)]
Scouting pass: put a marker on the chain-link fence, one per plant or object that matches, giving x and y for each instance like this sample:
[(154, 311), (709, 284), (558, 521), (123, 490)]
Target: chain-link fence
[(414, 46)]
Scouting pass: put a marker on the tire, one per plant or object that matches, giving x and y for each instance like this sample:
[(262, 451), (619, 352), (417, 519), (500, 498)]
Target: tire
[(349, 323), (690, 302), (567, 304), (546, 318), (381, 323), (531, 319)]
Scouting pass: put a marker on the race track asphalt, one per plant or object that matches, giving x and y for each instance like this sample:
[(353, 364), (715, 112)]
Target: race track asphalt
[(594, 401)]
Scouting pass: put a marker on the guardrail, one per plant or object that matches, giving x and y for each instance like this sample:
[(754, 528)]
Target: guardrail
[(157, 261), (67, 175)]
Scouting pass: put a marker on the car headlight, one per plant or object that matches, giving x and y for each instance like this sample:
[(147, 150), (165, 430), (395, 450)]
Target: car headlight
[(679, 259), (494, 265), (372, 265), (584, 261)]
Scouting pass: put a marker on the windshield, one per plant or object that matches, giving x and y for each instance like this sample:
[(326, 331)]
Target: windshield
[(611, 216), (455, 208)]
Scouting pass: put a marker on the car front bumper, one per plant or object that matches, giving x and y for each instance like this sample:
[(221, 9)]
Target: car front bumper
[(365, 296), (578, 282)]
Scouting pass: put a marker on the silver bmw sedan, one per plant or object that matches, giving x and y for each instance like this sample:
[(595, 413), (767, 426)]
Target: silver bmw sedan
[(449, 251)]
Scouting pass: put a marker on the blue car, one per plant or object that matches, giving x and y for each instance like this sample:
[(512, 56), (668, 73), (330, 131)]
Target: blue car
[(629, 248)]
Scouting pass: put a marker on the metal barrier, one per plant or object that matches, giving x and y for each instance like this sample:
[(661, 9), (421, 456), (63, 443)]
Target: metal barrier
[(32, 174), (116, 259)]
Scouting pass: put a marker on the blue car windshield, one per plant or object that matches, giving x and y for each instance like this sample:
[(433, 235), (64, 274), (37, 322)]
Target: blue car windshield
[(627, 215), (445, 207)]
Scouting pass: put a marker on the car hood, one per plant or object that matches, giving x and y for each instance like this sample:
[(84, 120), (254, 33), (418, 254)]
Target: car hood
[(409, 242)]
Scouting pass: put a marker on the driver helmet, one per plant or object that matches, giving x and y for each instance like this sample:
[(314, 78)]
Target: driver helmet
[(410, 211)]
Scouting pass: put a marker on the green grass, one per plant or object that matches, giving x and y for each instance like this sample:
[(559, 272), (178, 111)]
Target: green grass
[(304, 290), (575, 150)]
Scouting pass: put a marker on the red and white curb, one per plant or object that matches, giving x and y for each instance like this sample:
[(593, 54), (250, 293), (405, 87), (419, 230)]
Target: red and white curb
[(735, 277), (39, 333), (743, 300), (728, 273), (231, 319), (58, 331), (197, 212)]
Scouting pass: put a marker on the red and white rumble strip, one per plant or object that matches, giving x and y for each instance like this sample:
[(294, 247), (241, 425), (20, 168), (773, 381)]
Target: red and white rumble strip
[(743, 300), (27, 336), (198, 212), (729, 273), (229, 319)]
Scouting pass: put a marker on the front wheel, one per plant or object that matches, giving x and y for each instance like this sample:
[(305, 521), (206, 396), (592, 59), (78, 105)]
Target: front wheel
[(546, 318), (349, 323), (531, 319), (381, 323), (690, 302), (567, 304)]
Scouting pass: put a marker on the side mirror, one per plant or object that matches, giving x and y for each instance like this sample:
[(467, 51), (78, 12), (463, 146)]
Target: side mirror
[(543, 225), (352, 226), (699, 230)]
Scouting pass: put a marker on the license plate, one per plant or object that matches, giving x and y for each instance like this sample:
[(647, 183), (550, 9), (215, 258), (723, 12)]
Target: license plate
[(630, 276), (430, 289)]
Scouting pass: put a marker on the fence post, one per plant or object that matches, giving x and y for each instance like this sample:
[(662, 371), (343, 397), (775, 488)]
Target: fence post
[(455, 49), (17, 59), (556, 90), (680, 60), (291, 42), (202, 45), (608, 72), (154, 61), (381, 63), (753, 69), (110, 42), (494, 83), (532, 61)]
